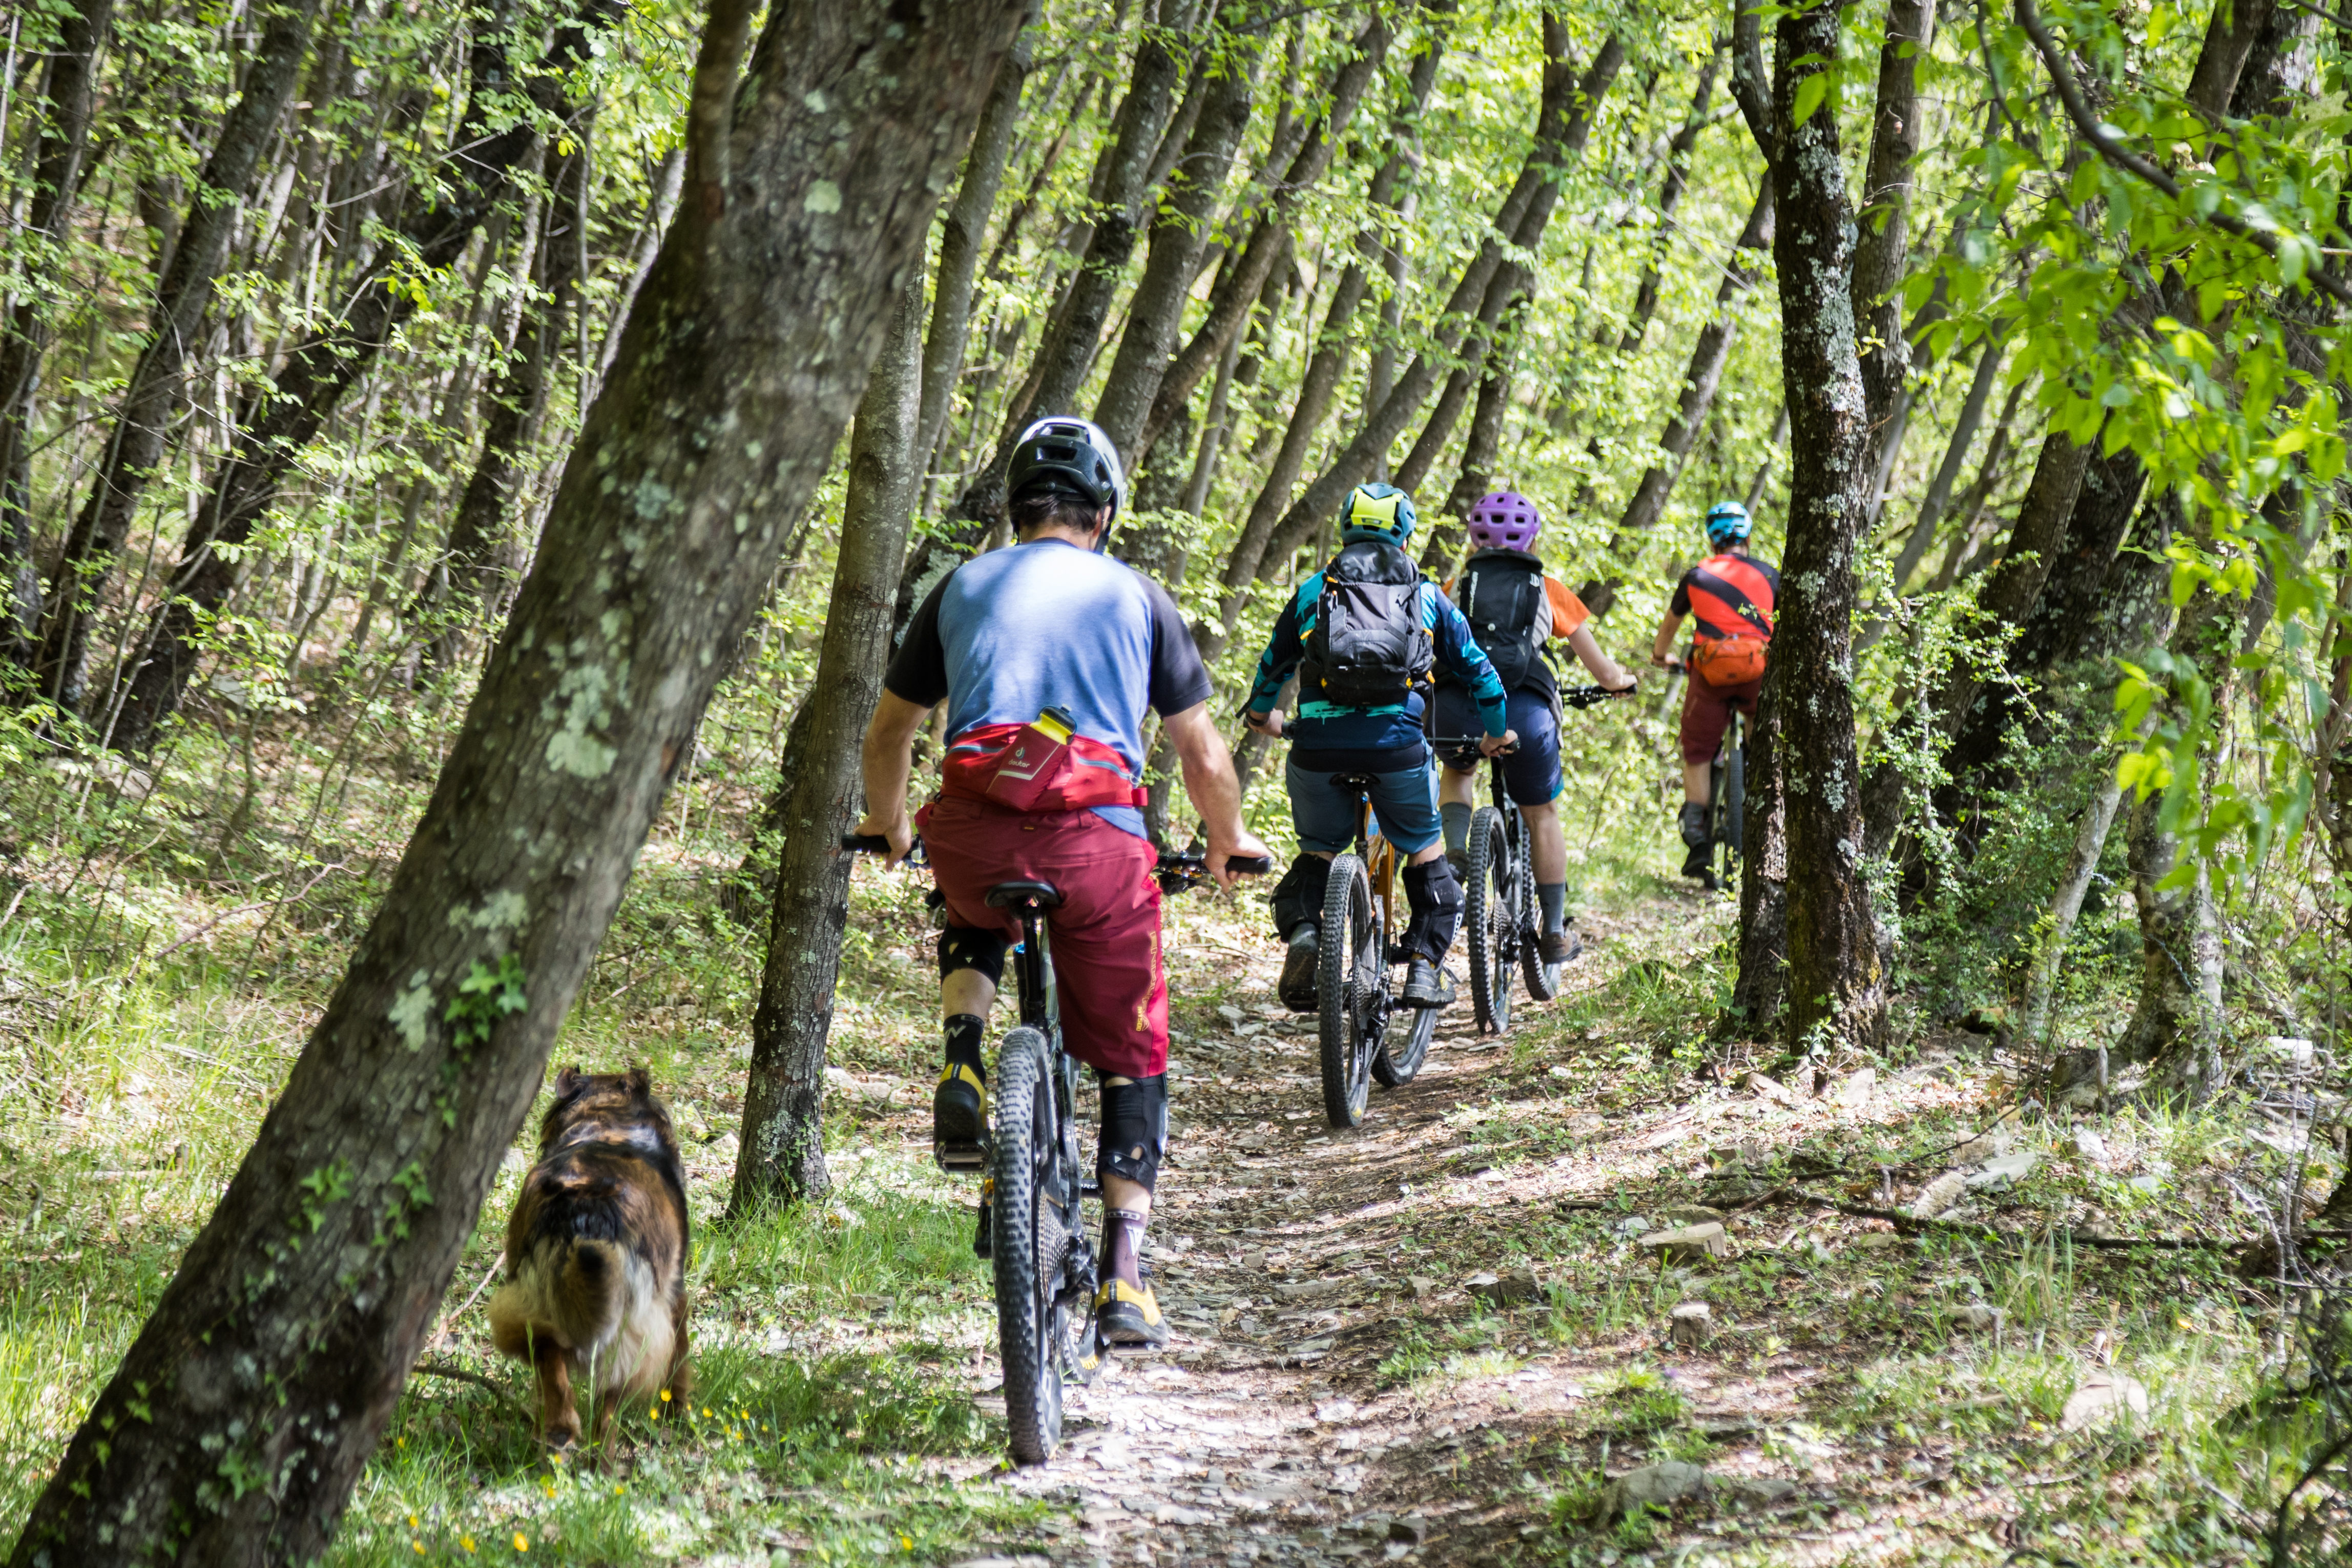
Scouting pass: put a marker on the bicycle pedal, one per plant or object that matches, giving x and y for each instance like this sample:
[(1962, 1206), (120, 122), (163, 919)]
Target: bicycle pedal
[(960, 1159), (1089, 1188)]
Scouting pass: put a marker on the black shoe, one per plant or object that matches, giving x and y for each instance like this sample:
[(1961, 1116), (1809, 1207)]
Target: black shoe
[(1426, 986), (1694, 826), (1700, 863), (1126, 1317), (1560, 947), (959, 1120), (1298, 989)]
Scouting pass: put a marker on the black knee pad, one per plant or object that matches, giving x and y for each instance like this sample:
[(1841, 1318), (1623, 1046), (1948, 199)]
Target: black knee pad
[(969, 948), (1299, 896), (1432, 889), (1134, 1130)]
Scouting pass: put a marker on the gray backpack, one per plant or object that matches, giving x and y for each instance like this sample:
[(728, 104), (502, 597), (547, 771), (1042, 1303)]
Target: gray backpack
[(1367, 648)]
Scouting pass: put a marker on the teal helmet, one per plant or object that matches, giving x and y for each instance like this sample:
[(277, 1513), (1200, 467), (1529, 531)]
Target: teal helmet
[(1727, 523), (1377, 511)]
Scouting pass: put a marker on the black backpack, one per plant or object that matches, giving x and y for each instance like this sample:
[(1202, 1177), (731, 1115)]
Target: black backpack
[(1501, 594), (1367, 648)]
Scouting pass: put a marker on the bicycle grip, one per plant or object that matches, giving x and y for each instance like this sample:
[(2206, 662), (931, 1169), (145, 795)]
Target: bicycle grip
[(1250, 865), (865, 843)]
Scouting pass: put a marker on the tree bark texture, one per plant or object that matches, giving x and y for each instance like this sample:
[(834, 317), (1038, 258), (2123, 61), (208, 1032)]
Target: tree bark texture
[(306, 394), (1759, 994), (158, 388), (782, 1157), (2066, 906), (62, 154), (1837, 986), (1563, 122), (1479, 450), (241, 1417), (1883, 241), (1269, 241), (1178, 235)]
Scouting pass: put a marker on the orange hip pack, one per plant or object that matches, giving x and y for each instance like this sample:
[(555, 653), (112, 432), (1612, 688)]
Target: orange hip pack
[(1042, 766), (1730, 661)]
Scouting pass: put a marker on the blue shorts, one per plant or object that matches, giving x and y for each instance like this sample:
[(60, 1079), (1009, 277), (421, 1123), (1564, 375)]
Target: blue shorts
[(1530, 774), (1404, 805)]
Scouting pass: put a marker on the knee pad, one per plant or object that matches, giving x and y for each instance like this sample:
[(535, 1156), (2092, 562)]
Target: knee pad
[(1299, 896), (1431, 889), (969, 948), (1134, 1130)]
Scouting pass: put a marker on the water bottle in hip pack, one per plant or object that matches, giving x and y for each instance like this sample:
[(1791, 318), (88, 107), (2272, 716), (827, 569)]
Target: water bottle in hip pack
[(1045, 765), (1367, 648)]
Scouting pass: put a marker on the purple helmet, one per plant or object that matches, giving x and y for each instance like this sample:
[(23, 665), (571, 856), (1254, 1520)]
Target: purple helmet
[(1505, 520)]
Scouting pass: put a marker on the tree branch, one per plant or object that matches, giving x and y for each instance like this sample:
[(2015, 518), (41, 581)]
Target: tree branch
[(2108, 146)]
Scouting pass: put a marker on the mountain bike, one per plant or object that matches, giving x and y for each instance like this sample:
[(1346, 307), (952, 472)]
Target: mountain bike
[(1032, 1228), (1726, 795), (1500, 909)]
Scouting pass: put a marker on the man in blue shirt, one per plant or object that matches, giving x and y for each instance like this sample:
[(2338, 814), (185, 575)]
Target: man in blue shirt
[(1055, 646), (1365, 633)]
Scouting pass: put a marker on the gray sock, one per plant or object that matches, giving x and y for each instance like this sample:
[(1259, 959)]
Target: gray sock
[(1553, 896), (1456, 817)]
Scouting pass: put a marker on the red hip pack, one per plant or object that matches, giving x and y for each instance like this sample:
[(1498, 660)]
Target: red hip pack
[(1042, 766), (1730, 661)]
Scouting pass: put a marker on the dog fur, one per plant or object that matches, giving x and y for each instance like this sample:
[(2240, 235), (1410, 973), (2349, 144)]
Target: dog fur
[(596, 1255)]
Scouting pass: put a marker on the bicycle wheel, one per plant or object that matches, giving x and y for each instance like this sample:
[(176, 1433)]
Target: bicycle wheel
[(1542, 979), (1400, 1057), (1030, 1244), (1486, 911), (1349, 973)]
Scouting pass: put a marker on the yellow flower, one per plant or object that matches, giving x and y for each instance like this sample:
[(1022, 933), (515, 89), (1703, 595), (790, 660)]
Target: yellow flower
[(467, 1542), (522, 1544), (906, 1544), (664, 1396), (418, 1547), (412, 1521)]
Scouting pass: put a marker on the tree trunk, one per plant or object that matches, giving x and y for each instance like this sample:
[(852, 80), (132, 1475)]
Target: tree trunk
[(783, 1155), (1836, 986), (159, 386), (1269, 240), (1178, 235), (1699, 384), (1483, 445), (1947, 473), (58, 161), (1882, 240), (2065, 906), (1759, 995), (1563, 123), (1670, 197), (437, 224), (240, 1418), (472, 563)]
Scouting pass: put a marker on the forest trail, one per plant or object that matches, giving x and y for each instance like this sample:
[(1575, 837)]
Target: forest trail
[(1335, 1391)]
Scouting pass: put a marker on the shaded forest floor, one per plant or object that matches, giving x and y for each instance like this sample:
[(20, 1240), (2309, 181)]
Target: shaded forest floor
[(1342, 1385)]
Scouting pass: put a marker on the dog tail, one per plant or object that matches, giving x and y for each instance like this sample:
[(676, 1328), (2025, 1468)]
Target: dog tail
[(589, 1294)]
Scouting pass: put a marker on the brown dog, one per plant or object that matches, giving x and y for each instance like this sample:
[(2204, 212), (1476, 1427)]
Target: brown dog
[(596, 1254)]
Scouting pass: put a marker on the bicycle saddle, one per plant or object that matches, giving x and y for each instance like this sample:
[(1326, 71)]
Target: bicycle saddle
[(1362, 781), (1044, 894)]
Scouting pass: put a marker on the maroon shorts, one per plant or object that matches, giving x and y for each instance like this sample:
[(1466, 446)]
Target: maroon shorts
[(1106, 936), (1706, 714)]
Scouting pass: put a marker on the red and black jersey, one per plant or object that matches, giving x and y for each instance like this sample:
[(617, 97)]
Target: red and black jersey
[(1730, 595)]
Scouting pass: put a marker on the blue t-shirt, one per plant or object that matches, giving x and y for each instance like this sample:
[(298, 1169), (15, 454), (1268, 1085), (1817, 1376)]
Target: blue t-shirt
[(1010, 633)]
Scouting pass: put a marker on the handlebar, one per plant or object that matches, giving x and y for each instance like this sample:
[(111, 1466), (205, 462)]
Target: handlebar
[(1177, 870), (1589, 696)]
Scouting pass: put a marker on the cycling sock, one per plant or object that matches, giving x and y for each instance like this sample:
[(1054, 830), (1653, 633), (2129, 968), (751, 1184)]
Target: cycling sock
[(1122, 1245), (1134, 1130), (1435, 899), (1553, 896), (963, 1033), (1455, 815)]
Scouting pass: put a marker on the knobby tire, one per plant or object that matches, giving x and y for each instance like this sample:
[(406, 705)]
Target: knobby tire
[(1488, 912), (1352, 962), (1029, 1243), (1542, 979)]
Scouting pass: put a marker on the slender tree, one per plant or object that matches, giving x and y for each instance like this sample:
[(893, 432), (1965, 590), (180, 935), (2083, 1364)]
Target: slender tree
[(241, 1417)]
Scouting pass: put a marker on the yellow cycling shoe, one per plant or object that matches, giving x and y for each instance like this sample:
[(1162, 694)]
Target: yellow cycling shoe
[(1127, 1315), (959, 1119)]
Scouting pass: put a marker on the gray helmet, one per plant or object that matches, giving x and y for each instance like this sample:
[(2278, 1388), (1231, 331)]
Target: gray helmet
[(1071, 456)]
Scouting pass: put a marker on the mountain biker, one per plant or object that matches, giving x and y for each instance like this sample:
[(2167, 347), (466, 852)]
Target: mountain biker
[(1368, 629), (1053, 650), (1514, 608), (1732, 595)]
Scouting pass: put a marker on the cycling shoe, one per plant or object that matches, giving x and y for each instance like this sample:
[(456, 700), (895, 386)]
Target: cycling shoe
[(1128, 1317), (1560, 947), (1426, 986), (1298, 987), (959, 1119)]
